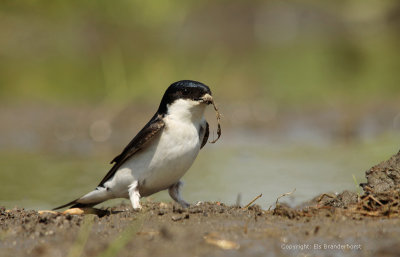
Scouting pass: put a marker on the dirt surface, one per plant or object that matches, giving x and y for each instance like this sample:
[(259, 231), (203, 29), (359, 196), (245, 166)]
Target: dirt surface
[(384, 177), (347, 224), (208, 229)]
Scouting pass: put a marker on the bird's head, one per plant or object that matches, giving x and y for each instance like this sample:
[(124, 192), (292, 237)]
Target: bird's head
[(186, 94)]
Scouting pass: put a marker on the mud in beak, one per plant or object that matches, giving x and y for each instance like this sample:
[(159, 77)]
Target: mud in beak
[(207, 98)]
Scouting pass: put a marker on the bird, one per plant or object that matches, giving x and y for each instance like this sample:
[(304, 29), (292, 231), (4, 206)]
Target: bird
[(162, 151)]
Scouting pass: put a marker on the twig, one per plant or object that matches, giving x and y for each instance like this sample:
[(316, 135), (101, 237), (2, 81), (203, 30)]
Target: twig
[(366, 213), (252, 201), (282, 195), (368, 188), (323, 195), (219, 132), (373, 198)]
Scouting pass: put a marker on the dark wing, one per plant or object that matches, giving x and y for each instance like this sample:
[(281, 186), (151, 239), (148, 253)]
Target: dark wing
[(206, 134), (152, 128)]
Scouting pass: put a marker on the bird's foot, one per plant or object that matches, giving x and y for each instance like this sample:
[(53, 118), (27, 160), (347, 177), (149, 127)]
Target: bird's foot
[(137, 206), (184, 204), (175, 193), (134, 196)]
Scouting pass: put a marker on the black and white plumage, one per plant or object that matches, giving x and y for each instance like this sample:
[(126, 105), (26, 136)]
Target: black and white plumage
[(161, 153)]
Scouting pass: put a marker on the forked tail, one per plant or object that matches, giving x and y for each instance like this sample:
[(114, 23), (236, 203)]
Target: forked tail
[(100, 194)]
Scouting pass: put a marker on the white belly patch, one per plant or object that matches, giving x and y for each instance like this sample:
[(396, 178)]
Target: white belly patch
[(162, 163)]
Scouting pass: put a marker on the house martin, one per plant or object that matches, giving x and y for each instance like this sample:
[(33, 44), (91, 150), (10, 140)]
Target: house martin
[(161, 153)]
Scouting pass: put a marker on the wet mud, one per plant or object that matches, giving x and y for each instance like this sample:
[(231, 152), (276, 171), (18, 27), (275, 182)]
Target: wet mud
[(347, 224)]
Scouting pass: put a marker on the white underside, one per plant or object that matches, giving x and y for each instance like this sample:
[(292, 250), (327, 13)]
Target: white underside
[(164, 160)]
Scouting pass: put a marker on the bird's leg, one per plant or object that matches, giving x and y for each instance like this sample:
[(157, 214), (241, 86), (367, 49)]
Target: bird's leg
[(134, 195), (174, 192)]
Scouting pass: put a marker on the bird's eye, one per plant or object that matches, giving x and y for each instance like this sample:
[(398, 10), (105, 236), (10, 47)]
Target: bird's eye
[(185, 91)]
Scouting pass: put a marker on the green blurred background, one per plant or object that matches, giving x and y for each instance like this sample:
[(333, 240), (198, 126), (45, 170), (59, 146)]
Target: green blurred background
[(304, 86)]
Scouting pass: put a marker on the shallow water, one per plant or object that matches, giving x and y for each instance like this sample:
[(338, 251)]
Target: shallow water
[(228, 171)]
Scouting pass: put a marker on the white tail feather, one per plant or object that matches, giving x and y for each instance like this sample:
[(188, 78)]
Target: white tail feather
[(100, 194)]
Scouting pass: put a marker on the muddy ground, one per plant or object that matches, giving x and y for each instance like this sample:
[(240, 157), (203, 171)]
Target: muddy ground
[(210, 229), (347, 224)]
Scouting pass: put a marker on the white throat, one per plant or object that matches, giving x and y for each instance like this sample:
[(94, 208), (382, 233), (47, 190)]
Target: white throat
[(186, 110)]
